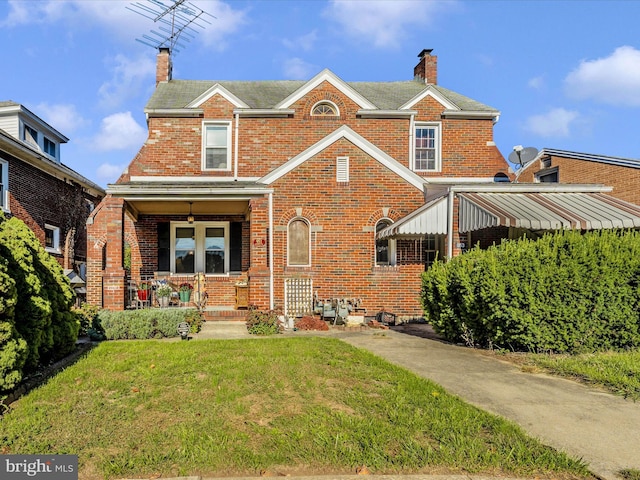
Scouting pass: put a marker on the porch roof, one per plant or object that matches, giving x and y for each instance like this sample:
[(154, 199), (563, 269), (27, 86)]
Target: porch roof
[(545, 211), (429, 219)]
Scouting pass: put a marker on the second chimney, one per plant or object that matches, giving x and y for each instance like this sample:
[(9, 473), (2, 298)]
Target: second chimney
[(163, 65), (427, 70)]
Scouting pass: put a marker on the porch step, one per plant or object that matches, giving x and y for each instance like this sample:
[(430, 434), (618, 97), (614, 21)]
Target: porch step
[(214, 315)]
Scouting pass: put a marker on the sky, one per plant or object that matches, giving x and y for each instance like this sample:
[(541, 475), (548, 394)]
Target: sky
[(563, 74)]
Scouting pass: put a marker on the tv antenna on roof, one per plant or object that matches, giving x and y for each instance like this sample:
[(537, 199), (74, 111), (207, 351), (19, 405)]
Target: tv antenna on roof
[(522, 155), (176, 19)]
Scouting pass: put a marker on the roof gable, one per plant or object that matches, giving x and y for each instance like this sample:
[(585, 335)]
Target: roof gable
[(326, 76), (430, 92), (217, 89), (360, 142)]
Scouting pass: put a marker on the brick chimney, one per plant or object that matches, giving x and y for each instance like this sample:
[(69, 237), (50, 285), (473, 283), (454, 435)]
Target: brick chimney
[(163, 65), (427, 70)]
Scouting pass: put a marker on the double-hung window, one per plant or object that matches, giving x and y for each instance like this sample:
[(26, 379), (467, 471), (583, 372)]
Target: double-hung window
[(49, 147), (427, 148), (52, 238), (216, 146), (4, 185), (200, 247)]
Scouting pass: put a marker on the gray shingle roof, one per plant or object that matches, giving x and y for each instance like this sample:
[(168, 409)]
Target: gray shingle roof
[(178, 94)]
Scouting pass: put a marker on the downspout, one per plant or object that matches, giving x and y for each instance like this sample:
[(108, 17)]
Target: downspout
[(450, 224), (235, 149), (271, 304), (412, 132)]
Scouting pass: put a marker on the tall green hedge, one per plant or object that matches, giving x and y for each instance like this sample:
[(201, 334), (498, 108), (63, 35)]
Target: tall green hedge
[(37, 325), (564, 292)]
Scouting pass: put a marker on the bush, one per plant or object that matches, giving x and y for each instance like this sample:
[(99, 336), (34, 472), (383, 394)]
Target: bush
[(564, 292), (13, 348), (146, 323), (42, 311), (263, 323)]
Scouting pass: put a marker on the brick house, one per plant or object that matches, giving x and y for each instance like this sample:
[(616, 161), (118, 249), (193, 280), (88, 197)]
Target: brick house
[(561, 166), (36, 187), (354, 187)]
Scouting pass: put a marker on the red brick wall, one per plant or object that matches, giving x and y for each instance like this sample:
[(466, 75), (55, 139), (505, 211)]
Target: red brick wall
[(624, 180)]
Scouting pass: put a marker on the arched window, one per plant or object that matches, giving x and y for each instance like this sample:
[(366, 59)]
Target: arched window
[(385, 248), (298, 243), (324, 109)]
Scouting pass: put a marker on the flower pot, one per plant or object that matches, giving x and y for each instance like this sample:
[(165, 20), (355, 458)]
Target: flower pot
[(164, 301), (185, 295), (143, 295)]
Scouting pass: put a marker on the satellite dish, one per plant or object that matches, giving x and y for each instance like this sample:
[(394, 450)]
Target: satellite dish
[(522, 155)]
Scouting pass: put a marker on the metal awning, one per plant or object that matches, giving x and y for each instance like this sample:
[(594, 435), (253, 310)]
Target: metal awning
[(429, 219), (545, 211)]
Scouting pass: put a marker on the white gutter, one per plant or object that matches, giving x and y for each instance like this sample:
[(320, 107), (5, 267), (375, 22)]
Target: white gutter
[(271, 303), (412, 132), (235, 147), (450, 226)]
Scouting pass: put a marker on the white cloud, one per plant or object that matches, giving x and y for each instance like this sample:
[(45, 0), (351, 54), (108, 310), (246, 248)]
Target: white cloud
[(63, 117), (25, 13), (226, 21), (536, 83), (129, 77), (384, 22), (556, 122), (298, 69), (119, 132), (108, 172), (613, 80), (304, 42)]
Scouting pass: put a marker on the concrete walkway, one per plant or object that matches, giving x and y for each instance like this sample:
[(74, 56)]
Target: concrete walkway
[(601, 429)]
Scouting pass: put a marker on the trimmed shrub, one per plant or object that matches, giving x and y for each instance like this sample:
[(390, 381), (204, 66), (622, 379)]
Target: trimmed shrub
[(564, 292), (43, 316), (146, 323), (263, 323), (13, 348)]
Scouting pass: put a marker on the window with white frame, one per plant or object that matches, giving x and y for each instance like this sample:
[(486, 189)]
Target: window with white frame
[(299, 243), (216, 141), (386, 247), (30, 135), (49, 147), (325, 109), (51, 238), (342, 169), (4, 185), (200, 247), (427, 148)]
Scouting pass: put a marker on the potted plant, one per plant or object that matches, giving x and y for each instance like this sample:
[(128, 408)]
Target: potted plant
[(185, 292), (143, 291), (164, 294)]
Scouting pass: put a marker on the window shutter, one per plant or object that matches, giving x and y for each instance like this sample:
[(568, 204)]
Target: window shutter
[(235, 246), (164, 247), (342, 169)]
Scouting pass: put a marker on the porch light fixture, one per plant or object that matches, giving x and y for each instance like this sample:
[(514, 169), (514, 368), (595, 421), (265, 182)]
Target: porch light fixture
[(190, 216)]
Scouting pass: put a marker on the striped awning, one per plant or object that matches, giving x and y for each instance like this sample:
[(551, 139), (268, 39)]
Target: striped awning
[(545, 211), (429, 219)]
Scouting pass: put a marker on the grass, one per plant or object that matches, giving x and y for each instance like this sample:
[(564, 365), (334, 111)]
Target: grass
[(618, 372), (285, 406)]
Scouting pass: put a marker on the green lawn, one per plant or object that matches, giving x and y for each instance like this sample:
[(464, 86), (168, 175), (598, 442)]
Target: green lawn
[(284, 405), (618, 372)]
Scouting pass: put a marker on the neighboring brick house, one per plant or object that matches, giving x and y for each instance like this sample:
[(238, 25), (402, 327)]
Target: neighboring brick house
[(354, 186), (51, 198), (561, 166)]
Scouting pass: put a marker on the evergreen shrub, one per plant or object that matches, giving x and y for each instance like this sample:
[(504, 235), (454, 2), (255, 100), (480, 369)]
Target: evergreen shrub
[(146, 323), (565, 292)]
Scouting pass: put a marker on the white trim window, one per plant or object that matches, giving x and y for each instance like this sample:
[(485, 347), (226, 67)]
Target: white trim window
[(216, 146), (51, 238), (427, 148), (30, 135), (325, 108), (299, 243), (4, 185), (200, 247), (386, 247)]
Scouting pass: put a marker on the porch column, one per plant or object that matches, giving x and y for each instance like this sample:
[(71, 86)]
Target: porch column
[(111, 216), (259, 273)]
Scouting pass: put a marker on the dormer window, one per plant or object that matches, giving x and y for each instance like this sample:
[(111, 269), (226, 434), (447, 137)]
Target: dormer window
[(49, 147), (324, 109), (30, 135)]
